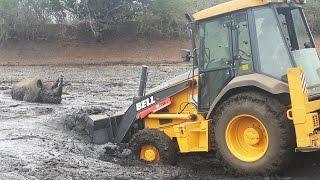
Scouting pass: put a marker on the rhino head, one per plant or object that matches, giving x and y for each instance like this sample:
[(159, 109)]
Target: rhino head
[(50, 93)]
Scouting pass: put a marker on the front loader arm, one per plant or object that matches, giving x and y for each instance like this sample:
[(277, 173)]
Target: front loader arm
[(114, 129)]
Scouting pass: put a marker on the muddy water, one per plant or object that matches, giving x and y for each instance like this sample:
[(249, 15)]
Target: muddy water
[(35, 144)]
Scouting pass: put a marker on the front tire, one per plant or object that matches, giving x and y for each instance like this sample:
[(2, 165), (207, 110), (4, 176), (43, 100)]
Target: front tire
[(252, 135), (151, 145)]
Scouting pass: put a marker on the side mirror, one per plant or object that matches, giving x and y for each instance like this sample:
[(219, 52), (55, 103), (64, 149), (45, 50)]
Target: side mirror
[(185, 55)]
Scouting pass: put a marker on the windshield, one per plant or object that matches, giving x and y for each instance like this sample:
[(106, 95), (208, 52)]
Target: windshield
[(301, 44), (273, 53)]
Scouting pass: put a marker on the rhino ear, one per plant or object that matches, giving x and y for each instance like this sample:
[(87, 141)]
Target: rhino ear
[(39, 84)]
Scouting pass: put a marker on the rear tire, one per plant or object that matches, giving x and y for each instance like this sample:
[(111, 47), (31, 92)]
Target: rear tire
[(275, 155), (157, 141)]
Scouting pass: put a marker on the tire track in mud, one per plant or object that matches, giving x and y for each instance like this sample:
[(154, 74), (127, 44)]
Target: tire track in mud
[(36, 144)]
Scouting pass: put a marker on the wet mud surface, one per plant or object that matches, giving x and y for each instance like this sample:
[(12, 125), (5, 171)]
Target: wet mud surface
[(36, 141)]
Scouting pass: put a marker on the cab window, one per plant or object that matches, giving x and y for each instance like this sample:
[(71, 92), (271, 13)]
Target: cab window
[(215, 44), (273, 54), (243, 45), (295, 30)]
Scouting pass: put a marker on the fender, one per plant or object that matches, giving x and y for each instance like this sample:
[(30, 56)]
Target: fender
[(264, 82)]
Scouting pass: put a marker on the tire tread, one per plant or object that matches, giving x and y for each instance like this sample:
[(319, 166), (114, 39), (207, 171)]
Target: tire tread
[(287, 138), (166, 147)]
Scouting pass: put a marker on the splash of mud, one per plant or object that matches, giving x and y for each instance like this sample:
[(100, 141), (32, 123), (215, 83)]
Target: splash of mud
[(122, 155), (78, 119)]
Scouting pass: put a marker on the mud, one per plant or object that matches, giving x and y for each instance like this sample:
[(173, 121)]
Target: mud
[(43, 141), (78, 119)]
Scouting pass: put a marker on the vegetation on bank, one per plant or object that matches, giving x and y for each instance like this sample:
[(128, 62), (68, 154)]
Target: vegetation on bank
[(102, 19)]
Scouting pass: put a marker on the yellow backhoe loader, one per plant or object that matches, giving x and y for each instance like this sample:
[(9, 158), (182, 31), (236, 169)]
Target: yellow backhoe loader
[(252, 96)]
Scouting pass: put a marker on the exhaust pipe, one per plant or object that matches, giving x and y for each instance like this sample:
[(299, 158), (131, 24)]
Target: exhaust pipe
[(60, 85), (143, 81)]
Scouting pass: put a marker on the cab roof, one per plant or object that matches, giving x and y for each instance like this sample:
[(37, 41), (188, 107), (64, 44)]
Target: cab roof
[(231, 6)]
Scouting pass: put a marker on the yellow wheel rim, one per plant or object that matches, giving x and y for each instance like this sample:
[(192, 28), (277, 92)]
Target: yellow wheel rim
[(247, 138), (149, 153)]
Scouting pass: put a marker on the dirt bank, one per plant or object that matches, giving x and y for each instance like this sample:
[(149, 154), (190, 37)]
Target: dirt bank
[(122, 51), (113, 52), (35, 144)]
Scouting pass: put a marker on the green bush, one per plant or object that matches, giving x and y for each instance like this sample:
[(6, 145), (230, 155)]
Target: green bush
[(28, 19), (163, 17), (312, 13)]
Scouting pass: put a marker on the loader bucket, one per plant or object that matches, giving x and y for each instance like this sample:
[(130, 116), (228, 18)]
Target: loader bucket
[(102, 128)]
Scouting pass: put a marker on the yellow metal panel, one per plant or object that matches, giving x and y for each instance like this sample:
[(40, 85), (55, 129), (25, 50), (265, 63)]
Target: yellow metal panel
[(299, 99), (151, 123), (304, 117), (313, 106), (231, 6), (182, 102), (181, 121), (192, 136)]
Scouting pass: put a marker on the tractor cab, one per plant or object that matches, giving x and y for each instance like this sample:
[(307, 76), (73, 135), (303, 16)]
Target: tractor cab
[(240, 38), (251, 96)]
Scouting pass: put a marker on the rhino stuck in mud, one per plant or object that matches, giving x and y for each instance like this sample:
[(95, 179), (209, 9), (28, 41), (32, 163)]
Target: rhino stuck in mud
[(38, 90)]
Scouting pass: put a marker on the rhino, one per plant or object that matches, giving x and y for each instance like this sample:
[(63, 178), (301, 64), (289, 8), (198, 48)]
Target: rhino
[(38, 90)]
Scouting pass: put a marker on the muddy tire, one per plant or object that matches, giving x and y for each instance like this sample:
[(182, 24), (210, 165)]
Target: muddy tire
[(275, 129), (166, 148)]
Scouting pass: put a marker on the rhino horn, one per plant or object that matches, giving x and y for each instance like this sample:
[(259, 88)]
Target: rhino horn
[(55, 84), (58, 88)]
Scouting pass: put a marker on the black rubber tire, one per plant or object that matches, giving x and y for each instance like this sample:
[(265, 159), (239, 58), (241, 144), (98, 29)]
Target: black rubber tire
[(280, 132), (167, 148)]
